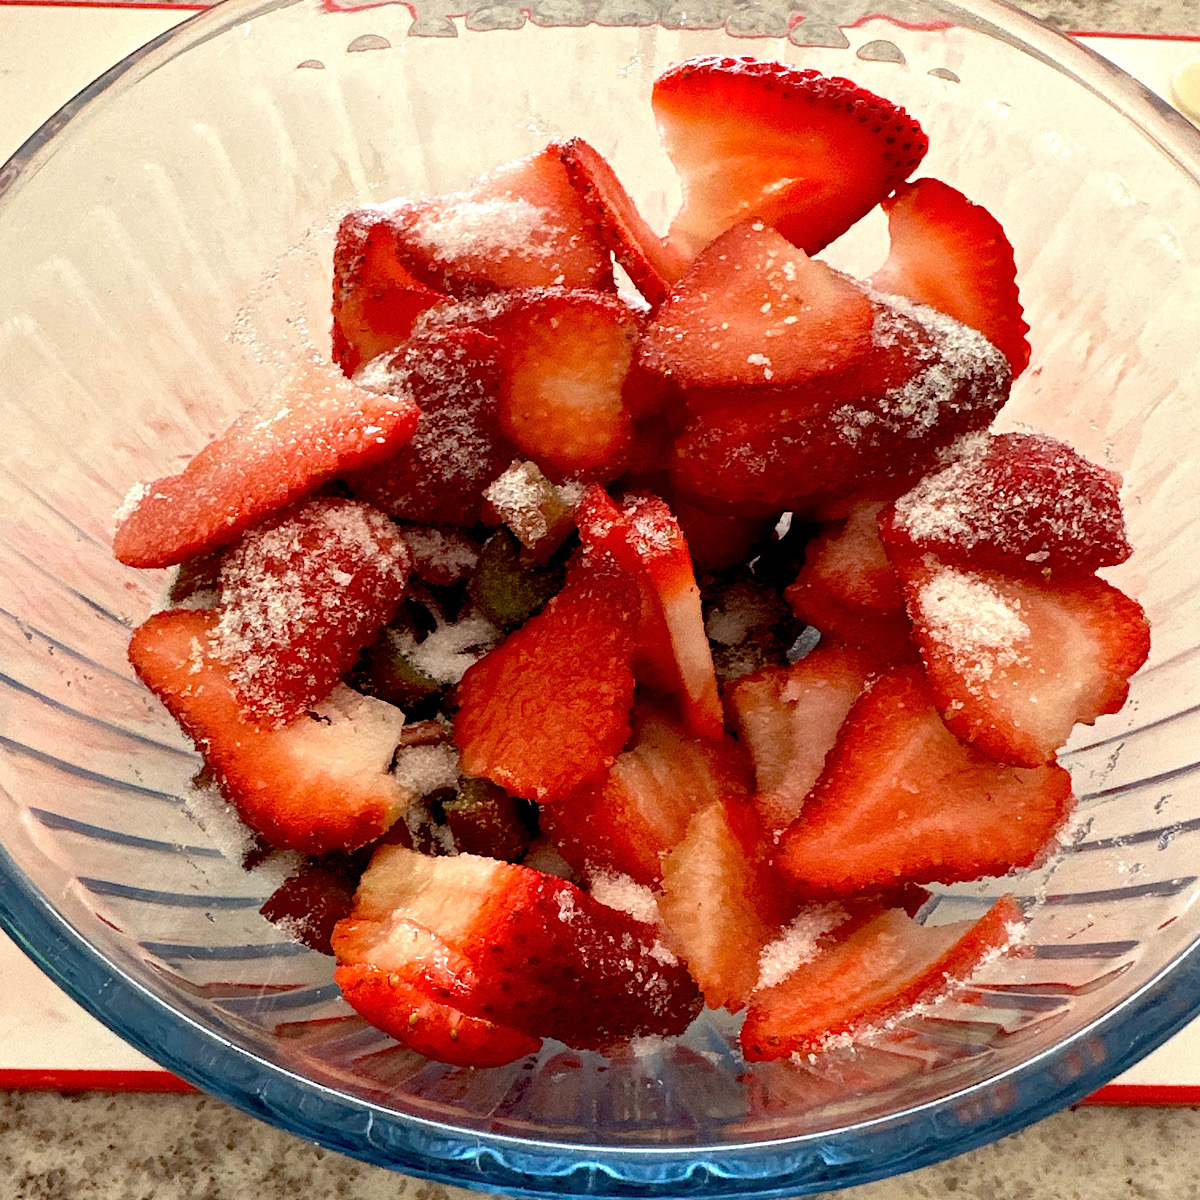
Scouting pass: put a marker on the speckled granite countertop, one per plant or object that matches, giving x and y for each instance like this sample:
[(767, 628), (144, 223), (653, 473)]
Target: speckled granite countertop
[(102, 1146)]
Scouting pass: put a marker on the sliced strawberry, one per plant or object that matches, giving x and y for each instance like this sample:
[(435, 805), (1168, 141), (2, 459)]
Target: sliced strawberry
[(548, 708), (789, 719), (673, 646), (316, 425), (848, 589), (508, 944), (651, 263), (1015, 664), (401, 1006), (871, 971), (753, 310), (806, 153), (521, 225), (720, 902), (1021, 503), (309, 903), (718, 540), (902, 800), (623, 822), (454, 377), (954, 256), (375, 300), (873, 428), (318, 785)]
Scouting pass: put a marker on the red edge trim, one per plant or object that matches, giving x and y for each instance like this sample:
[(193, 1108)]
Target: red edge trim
[(102, 4), (1160, 1094), (68, 1080)]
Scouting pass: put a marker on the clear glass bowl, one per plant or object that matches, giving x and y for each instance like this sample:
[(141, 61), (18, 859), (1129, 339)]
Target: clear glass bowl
[(166, 242)]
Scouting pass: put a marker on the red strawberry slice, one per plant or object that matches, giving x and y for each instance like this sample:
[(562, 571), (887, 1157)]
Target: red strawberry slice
[(454, 377), (721, 902), (375, 300), (400, 1005), (752, 311), (548, 708), (318, 785), (848, 589), (301, 595), (954, 256), (794, 148), (1021, 503), (673, 646), (623, 822), (521, 225), (869, 971), (1015, 664), (789, 718), (873, 428), (309, 903), (902, 800), (316, 425), (508, 944), (650, 262)]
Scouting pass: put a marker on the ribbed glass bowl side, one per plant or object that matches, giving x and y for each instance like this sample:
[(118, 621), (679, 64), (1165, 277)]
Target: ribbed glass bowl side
[(172, 241)]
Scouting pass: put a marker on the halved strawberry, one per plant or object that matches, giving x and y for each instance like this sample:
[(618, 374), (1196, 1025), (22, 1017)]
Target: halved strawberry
[(1015, 664), (548, 708), (315, 425), (720, 902), (794, 148), (511, 945), (1021, 503), (317, 785), (521, 225), (400, 1005), (954, 256), (623, 822), (651, 263), (454, 377), (375, 300), (673, 648), (872, 428), (902, 800), (848, 589), (789, 719), (301, 595), (753, 310), (869, 971)]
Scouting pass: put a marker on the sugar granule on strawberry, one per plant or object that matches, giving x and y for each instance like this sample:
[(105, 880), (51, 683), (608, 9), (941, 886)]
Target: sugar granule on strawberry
[(807, 153), (314, 426), (1022, 503)]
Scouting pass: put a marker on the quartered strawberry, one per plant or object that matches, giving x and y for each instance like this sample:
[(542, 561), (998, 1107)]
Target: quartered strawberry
[(789, 718), (317, 785), (720, 902), (375, 300), (548, 708), (872, 428), (521, 225), (902, 800), (673, 648), (1015, 664), (316, 425), (301, 595), (651, 263), (400, 1005), (454, 377), (523, 949), (624, 821), (798, 150), (753, 310), (848, 589), (868, 971), (1021, 503), (954, 256)]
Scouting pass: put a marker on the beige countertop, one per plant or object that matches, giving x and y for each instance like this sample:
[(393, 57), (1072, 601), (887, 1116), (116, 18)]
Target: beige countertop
[(170, 1147)]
